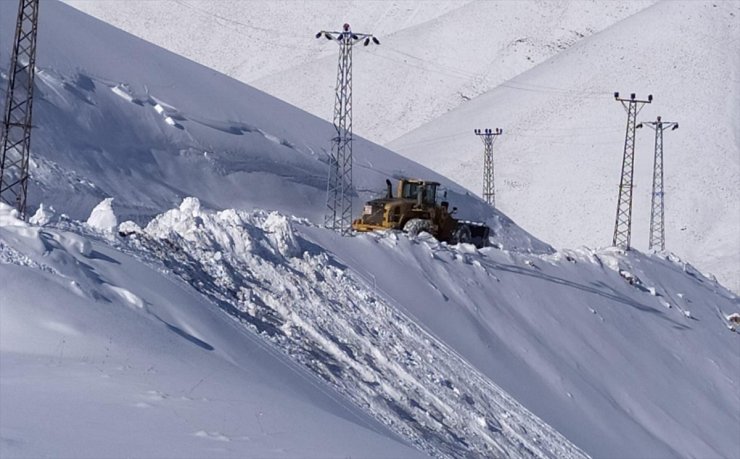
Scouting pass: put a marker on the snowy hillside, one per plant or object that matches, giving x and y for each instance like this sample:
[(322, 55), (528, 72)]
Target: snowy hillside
[(102, 355), (201, 312), (560, 156), (434, 55), (543, 71), (163, 129)]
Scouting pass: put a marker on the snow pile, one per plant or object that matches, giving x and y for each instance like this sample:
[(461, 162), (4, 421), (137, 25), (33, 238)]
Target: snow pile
[(121, 359), (102, 217), (44, 214), (234, 232), (311, 307), (9, 216)]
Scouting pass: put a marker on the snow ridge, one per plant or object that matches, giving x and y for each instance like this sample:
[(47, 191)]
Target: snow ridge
[(311, 307)]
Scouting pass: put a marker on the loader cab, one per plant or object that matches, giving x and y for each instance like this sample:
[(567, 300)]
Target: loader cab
[(410, 189)]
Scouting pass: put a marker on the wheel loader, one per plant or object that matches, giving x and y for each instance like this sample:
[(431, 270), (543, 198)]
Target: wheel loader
[(415, 209)]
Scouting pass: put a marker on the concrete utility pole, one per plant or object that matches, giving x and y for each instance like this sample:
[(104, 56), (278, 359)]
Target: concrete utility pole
[(339, 188), (623, 223), (657, 208), (16, 122), (488, 136)]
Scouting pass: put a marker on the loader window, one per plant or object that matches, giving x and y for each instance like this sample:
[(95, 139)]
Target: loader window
[(410, 190), (430, 194)]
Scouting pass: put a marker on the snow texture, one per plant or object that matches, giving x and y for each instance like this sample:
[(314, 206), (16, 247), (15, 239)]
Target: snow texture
[(217, 320), (102, 217), (544, 71)]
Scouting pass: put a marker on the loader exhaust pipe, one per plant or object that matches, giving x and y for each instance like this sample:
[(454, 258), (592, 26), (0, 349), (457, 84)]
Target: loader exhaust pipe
[(389, 192)]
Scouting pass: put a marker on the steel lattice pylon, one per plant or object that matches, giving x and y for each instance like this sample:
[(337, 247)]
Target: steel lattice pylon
[(339, 189), (657, 207), (16, 123), (488, 136), (623, 223)]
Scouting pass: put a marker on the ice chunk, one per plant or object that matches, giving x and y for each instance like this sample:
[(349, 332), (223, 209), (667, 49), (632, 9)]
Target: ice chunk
[(42, 216), (102, 217), (128, 227), (9, 216), (281, 235)]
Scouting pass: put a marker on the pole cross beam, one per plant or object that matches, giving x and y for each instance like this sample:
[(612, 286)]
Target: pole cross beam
[(339, 190), (623, 222)]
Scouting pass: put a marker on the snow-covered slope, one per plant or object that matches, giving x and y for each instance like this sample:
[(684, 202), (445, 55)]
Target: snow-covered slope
[(434, 56), (131, 121), (559, 159), (380, 341), (601, 345), (104, 356), (543, 71)]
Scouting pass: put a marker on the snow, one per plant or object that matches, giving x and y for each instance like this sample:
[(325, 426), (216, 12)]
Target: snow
[(120, 359), (218, 320), (559, 158), (545, 72), (102, 217), (44, 214)]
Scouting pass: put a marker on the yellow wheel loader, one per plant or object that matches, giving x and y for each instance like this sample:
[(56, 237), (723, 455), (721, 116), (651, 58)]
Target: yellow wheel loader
[(415, 209)]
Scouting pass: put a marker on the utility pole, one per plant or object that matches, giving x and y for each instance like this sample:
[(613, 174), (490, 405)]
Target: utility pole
[(657, 208), (16, 122), (488, 136), (339, 187), (623, 223)]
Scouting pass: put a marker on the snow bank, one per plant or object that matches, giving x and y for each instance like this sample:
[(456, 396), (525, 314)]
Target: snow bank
[(120, 359), (237, 232), (310, 306), (9, 216), (44, 214), (102, 217)]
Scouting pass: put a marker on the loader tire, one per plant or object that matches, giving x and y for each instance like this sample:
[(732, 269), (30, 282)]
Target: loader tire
[(462, 235), (416, 225)]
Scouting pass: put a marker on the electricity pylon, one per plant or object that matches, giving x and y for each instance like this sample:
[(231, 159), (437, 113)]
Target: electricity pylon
[(16, 122), (339, 187), (488, 136), (657, 208), (623, 223)]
